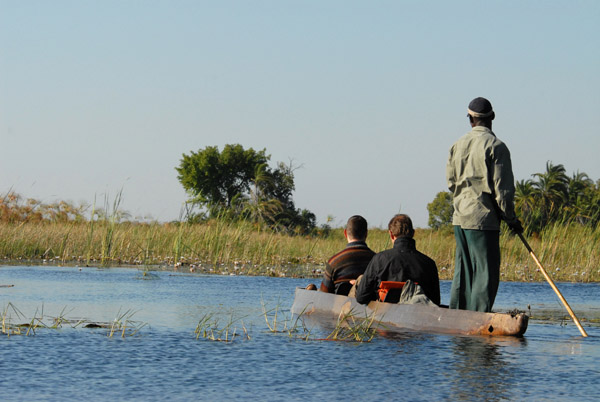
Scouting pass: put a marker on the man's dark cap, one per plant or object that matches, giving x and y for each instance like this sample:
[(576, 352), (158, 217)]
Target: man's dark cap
[(481, 108)]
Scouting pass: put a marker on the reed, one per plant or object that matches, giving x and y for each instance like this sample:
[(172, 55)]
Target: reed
[(11, 313), (270, 315), (568, 251), (350, 328), (125, 325), (110, 220), (35, 323), (208, 328), (8, 326), (59, 320), (90, 234), (294, 327)]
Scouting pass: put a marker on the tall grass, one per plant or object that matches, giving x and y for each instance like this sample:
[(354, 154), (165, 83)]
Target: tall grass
[(569, 253), (110, 220)]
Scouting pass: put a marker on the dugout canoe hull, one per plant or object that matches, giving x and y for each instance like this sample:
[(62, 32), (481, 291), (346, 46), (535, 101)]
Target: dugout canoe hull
[(411, 316)]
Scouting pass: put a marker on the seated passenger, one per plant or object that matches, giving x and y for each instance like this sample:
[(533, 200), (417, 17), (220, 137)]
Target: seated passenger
[(351, 262), (399, 264)]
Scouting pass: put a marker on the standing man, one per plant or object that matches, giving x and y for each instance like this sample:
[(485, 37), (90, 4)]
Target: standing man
[(351, 262), (479, 174)]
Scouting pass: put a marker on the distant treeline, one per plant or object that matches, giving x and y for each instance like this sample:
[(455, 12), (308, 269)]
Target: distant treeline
[(548, 198), (16, 209), (553, 196)]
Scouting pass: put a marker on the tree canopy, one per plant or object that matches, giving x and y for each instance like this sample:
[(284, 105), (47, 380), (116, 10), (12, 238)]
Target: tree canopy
[(215, 178), (238, 183), (440, 210), (553, 196)]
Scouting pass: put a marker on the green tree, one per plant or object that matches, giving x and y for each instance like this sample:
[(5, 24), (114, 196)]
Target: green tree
[(441, 210), (214, 179), (258, 207), (271, 200), (239, 184)]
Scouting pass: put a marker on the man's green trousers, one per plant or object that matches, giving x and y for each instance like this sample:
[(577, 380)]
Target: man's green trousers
[(476, 269)]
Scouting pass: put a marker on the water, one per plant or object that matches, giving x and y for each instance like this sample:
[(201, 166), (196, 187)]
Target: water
[(166, 361)]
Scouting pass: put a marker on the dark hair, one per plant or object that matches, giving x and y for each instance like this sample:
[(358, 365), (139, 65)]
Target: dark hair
[(401, 226), (357, 227)]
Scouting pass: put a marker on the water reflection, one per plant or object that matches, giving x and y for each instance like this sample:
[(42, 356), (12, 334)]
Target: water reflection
[(481, 370), (402, 337)]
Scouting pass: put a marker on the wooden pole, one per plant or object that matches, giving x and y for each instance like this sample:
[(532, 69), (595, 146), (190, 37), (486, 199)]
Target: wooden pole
[(551, 282)]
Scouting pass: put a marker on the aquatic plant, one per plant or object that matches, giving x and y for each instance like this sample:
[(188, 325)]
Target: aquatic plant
[(36, 322), (58, 321), (147, 275), (125, 325), (351, 328), (8, 327), (290, 325), (208, 328)]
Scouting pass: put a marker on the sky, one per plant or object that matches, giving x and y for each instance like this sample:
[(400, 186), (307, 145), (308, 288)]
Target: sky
[(364, 97)]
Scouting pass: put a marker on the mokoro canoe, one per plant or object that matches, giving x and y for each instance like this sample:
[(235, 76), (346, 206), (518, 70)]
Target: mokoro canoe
[(411, 316)]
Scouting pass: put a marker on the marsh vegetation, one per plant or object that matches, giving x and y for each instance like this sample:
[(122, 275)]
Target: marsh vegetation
[(252, 227), (568, 252), (14, 322)]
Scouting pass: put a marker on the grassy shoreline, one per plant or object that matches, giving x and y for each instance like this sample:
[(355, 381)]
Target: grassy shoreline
[(569, 253)]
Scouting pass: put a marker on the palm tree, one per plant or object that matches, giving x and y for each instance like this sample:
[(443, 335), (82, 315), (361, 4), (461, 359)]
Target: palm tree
[(525, 197), (552, 190), (594, 203), (526, 204), (579, 196)]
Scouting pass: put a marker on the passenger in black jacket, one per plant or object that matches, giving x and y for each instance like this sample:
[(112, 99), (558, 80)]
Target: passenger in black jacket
[(400, 263)]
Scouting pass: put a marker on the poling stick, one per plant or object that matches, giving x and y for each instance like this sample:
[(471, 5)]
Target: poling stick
[(551, 282)]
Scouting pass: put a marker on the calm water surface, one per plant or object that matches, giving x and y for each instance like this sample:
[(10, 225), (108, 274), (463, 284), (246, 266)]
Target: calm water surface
[(166, 361)]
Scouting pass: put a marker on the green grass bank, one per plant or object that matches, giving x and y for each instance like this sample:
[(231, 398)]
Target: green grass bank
[(568, 252)]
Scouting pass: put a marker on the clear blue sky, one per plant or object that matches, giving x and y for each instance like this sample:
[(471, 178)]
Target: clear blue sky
[(367, 96)]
